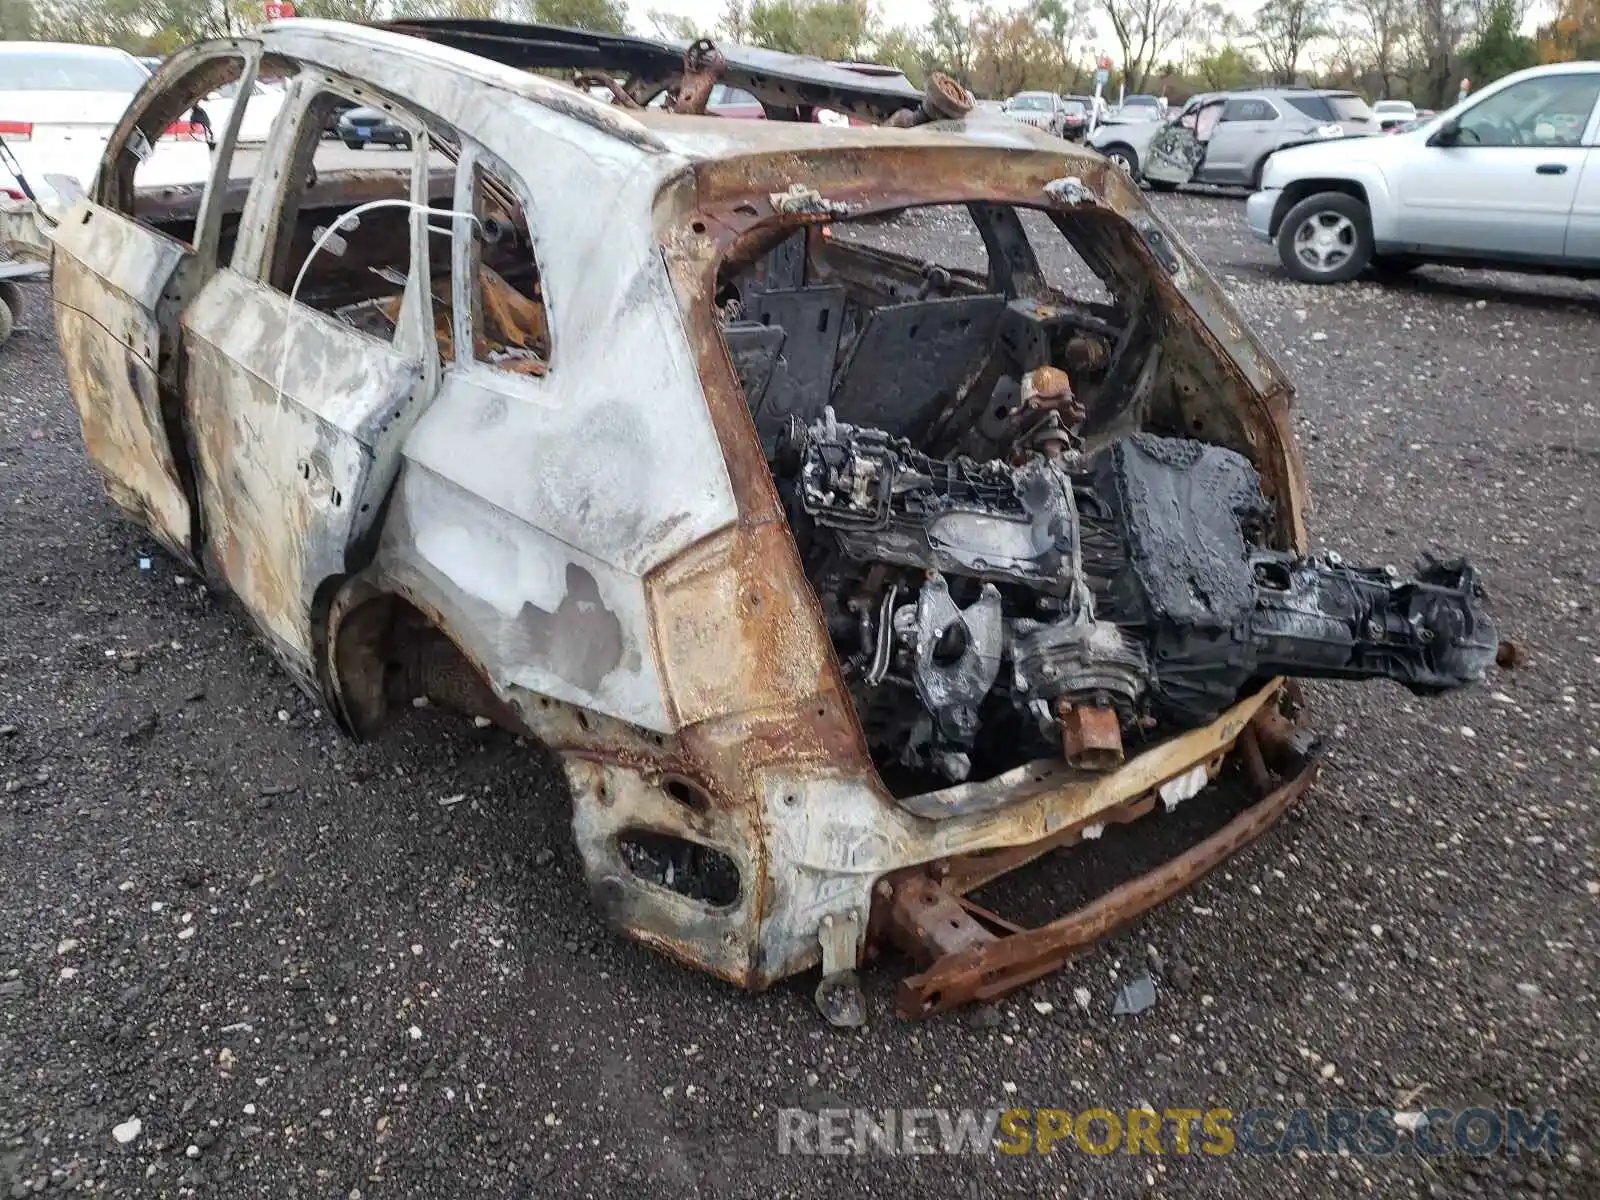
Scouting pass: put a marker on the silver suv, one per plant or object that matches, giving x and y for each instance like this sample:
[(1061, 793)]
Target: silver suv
[(1224, 138)]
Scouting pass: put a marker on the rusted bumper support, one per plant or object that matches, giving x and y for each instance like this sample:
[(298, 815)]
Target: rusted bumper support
[(981, 964)]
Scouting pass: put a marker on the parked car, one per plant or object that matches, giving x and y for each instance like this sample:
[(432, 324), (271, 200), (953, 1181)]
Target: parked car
[(362, 127), (259, 113), (1225, 138), (1127, 143), (734, 103), (1141, 107), (1042, 110), (660, 445), (1392, 113), (58, 104), (1075, 110), (1510, 177)]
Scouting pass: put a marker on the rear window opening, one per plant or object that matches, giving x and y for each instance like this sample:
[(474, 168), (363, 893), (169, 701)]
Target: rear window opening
[(1025, 506), (941, 343)]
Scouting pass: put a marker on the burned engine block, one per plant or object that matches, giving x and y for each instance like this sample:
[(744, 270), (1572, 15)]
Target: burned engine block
[(1072, 600)]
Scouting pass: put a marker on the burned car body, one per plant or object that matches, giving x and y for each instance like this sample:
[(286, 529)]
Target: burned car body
[(842, 582)]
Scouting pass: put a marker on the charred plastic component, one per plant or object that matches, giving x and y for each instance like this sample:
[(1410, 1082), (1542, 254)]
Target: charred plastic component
[(1067, 599), (1177, 530)]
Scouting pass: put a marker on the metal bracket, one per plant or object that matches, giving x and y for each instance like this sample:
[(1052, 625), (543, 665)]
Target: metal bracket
[(838, 995)]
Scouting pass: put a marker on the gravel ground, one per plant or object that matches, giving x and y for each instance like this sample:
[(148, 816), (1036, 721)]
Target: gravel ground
[(305, 977)]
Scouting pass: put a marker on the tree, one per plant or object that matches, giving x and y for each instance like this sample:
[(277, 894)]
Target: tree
[(598, 16), (1145, 30), (950, 41), (1225, 70), (905, 49), (839, 30), (1574, 35), (1498, 48), (1441, 27), (1009, 54), (673, 25), (1062, 23), (16, 20), (1370, 41), (1283, 30), (775, 24), (734, 23)]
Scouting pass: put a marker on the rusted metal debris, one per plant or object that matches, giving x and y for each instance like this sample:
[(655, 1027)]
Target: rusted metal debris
[(984, 966), (1091, 735), (703, 67), (841, 583)]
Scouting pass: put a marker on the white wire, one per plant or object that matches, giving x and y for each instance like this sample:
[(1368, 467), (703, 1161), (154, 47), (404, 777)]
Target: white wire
[(316, 248)]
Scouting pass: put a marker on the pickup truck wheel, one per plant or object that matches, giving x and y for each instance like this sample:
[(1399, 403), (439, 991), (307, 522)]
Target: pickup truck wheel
[(7, 322), (1326, 238), (1124, 157)]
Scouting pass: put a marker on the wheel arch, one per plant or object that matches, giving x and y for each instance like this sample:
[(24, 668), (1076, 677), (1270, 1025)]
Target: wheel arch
[(1301, 189)]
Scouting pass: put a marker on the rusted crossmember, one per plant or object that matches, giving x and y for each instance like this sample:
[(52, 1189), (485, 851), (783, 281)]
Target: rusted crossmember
[(970, 954)]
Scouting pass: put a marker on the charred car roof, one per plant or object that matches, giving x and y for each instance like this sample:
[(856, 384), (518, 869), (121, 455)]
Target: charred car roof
[(773, 77)]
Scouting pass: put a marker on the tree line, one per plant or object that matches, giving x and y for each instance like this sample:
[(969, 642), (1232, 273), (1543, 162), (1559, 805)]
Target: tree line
[(1413, 49)]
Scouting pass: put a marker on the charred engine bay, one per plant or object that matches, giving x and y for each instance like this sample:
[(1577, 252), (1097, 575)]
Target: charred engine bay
[(1001, 587), (990, 613)]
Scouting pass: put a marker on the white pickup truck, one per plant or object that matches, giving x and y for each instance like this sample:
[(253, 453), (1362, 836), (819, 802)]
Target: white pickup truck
[(1509, 178)]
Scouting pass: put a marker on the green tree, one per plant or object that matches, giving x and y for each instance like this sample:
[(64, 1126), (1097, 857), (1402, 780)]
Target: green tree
[(775, 24), (831, 29), (1225, 70), (905, 49), (16, 20), (598, 16), (1498, 49), (950, 41)]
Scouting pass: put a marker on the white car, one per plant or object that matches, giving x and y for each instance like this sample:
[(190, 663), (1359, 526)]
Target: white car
[(1389, 113), (263, 108), (58, 105), (1508, 178)]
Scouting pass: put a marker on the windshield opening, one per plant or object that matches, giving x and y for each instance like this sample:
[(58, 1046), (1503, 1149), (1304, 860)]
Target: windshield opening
[(1032, 103)]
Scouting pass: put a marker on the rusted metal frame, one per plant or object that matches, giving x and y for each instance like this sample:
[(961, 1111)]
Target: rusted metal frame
[(585, 79), (703, 67), (991, 970)]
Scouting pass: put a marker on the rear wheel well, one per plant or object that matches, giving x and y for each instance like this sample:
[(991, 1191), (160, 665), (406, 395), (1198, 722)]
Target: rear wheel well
[(387, 652), (1301, 188)]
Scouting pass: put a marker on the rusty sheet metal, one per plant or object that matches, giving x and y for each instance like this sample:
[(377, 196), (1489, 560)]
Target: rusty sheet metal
[(286, 478), (730, 636), (1091, 738), (992, 968), (109, 277), (616, 800)]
